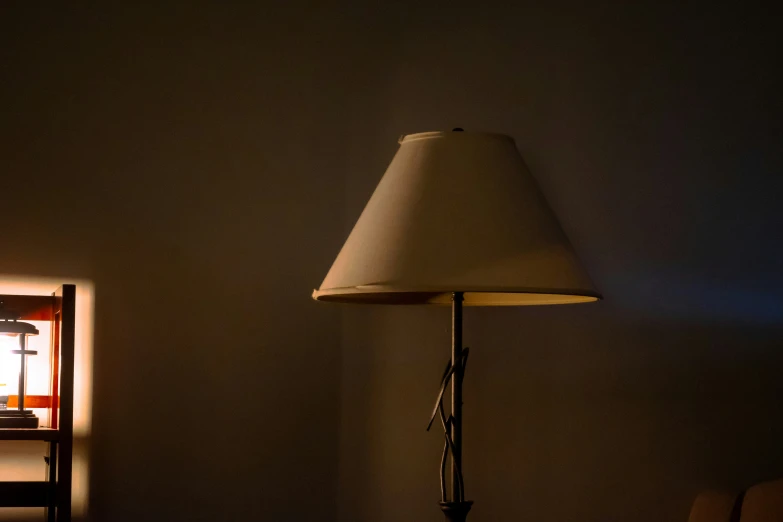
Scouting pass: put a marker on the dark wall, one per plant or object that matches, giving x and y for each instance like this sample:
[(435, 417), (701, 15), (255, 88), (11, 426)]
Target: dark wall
[(655, 134), (188, 159)]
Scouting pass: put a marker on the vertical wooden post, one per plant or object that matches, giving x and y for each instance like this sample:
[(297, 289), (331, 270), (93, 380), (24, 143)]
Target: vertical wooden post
[(67, 302)]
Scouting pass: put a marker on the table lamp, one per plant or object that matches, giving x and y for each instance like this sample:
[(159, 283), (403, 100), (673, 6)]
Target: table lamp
[(13, 345), (457, 219)]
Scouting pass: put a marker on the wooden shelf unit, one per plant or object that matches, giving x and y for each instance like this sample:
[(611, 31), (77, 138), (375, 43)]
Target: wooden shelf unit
[(54, 492)]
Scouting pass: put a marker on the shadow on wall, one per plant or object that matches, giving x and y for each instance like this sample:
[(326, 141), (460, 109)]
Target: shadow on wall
[(623, 418)]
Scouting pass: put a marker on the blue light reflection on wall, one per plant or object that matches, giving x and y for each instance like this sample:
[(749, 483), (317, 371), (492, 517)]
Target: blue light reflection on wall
[(694, 298)]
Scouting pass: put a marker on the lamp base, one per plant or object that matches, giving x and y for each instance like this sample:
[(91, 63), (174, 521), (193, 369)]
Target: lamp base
[(456, 511), (18, 419)]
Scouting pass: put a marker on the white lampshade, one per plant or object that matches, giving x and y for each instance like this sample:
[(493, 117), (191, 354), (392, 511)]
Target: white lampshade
[(457, 212)]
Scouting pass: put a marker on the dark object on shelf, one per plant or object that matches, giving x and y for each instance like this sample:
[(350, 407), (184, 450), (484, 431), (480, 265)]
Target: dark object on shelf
[(18, 419)]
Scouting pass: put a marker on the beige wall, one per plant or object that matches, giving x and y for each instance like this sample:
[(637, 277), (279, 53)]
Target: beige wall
[(655, 135)]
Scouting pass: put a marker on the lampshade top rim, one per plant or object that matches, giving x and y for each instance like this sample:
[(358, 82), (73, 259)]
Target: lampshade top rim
[(405, 138)]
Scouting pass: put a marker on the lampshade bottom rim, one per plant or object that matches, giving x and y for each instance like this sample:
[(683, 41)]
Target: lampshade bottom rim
[(471, 298)]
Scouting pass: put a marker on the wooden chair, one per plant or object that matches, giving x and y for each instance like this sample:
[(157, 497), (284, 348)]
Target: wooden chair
[(763, 503)]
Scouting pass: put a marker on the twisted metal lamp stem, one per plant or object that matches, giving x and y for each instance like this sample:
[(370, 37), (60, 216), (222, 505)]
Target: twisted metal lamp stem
[(452, 426)]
